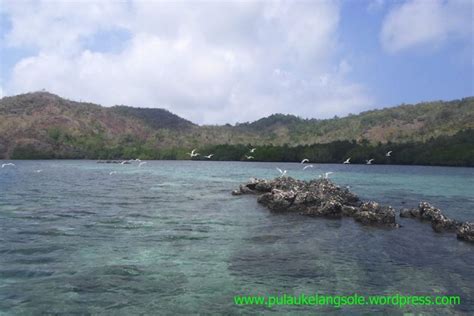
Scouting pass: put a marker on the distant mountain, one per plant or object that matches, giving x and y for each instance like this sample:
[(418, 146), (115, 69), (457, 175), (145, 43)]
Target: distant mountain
[(397, 124), (154, 118), (44, 125)]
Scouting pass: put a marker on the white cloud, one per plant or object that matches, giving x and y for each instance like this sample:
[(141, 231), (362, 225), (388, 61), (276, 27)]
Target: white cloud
[(426, 23), (209, 62)]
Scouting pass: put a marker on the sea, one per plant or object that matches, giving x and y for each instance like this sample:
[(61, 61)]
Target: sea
[(168, 238)]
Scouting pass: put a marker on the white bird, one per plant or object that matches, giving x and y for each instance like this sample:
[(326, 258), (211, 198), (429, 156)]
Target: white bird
[(209, 156), (38, 171), (253, 150), (326, 175), (282, 172), (141, 163), (304, 160), (388, 154), (112, 172), (348, 160), (124, 162), (249, 157), (308, 166), (193, 153), (8, 164), (369, 162), (138, 160)]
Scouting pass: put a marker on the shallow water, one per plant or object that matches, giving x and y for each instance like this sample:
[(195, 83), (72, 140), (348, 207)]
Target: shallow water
[(168, 238)]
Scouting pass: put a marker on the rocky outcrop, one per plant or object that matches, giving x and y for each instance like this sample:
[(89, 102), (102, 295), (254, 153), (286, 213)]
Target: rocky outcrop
[(323, 198), (465, 231), (318, 198), (427, 212), (372, 213)]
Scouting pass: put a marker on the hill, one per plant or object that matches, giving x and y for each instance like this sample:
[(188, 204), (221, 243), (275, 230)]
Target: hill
[(44, 125)]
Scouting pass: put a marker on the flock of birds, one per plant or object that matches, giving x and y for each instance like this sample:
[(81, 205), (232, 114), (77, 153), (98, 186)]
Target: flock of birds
[(194, 153)]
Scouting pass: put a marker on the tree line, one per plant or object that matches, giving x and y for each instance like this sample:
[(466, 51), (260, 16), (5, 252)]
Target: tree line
[(455, 150)]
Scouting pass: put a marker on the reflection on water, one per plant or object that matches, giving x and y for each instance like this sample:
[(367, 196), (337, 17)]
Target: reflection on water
[(169, 238)]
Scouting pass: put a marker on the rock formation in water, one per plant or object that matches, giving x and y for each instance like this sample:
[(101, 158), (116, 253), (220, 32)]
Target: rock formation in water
[(426, 212), (322, 198), (466, 231), (317, 198)]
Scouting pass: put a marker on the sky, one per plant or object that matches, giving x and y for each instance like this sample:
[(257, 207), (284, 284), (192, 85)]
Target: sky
[(216, 62)]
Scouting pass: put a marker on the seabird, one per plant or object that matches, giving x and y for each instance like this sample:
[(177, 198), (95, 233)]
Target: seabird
[(249, 157), (347, 161), (388, 154), (141, 163), (253, 150), (193, 153), (308, 166), (282, 172), (8, 164), (326, 175), (209, 156), (304, 160), (369, 162)]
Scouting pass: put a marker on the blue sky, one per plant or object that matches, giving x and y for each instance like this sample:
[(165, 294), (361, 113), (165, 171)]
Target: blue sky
[(218, 62)]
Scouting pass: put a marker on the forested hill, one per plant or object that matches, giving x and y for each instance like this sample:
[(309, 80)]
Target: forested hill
[(44, 125)]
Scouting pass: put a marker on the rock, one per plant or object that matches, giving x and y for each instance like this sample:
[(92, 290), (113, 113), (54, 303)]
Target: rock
[(277, 200), (244, 189), (349, 210), (318, 197), (322, 198), (441, 223), (427, 212), (372, 213), (410, 213), (263, 187), (331, 209), (465, 231)]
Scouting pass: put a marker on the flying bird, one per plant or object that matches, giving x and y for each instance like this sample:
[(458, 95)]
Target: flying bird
[(141, 163), (249, 157), (304, 160), (253, 150), (369, 162), (193, 153), (347, 161), (209, 156), (326, 175), (112, 172), (38, 171), (8, 164), (282, 172), (389, 154), (307, 166)]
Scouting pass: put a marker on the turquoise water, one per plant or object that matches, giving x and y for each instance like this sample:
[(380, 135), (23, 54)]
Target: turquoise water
[(169, 238)]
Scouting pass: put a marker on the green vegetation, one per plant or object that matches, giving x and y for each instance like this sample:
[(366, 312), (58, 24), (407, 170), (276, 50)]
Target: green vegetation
[(456, 150), (155, 118), (42, 125)]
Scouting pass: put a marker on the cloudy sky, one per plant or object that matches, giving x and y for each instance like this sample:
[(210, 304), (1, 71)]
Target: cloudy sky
[(215, 62)]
